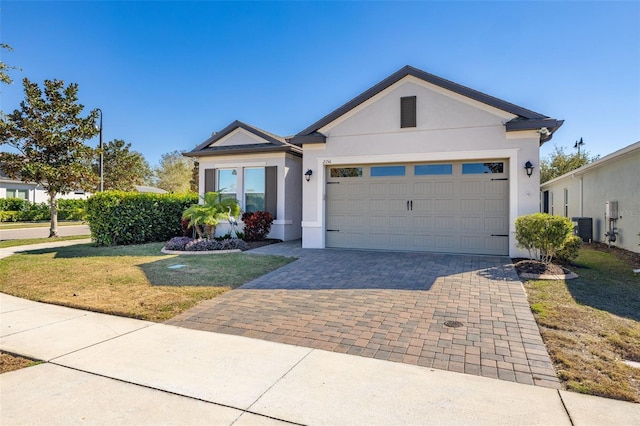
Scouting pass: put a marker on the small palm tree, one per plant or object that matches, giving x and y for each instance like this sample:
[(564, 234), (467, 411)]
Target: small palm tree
[(204, 217)]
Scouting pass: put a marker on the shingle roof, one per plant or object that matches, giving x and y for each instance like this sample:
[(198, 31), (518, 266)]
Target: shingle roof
[(274, 143), (525, 120)]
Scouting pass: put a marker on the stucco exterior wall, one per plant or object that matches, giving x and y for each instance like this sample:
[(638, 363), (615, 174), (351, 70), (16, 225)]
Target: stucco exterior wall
[(449, 127), (613, 180), (287, 224)]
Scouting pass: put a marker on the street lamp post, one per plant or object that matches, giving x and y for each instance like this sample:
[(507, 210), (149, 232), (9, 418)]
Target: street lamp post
[(101, 170)]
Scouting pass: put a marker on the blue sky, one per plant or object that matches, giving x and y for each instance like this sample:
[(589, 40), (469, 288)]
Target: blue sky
[(168, 74)]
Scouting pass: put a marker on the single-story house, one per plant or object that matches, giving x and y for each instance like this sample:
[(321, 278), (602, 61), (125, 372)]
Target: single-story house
[(415, 163), (603, 194), (30, 191)]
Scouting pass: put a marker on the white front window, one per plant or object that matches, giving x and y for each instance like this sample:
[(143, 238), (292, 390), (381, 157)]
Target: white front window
[(254, 189), (227, 183)]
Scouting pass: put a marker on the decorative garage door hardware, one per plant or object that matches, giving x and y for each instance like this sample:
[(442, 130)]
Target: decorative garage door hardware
[(410, 205)]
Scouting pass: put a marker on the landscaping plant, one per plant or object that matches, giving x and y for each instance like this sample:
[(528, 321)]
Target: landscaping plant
[(122, 218), (544, 235), (257, 225), (204, 217)]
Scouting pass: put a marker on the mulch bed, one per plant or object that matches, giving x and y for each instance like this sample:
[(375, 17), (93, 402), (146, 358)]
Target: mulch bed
[(535, 267), (255, 244), (630, 257)]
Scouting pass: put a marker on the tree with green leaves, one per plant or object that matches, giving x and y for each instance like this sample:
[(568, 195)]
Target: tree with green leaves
[(4, 68), (174, 172), (48, 135), (559, 163), (123, 168)]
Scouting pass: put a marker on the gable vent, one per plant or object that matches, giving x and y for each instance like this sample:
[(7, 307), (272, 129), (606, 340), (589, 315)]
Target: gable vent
[(408, 111)]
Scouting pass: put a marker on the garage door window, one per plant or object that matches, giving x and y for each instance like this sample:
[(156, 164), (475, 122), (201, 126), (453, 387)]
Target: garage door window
[(482, 168), (340, 172), (433, 169), (387, 171)]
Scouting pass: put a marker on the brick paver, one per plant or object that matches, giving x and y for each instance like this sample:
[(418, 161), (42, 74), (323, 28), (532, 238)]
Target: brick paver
[(391, 306)]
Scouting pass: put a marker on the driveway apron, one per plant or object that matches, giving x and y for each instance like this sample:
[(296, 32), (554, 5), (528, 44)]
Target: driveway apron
[(467, 314)]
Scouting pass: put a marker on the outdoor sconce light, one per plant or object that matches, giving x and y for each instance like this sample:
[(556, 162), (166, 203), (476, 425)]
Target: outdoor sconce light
[(529, 168), (307, 175)]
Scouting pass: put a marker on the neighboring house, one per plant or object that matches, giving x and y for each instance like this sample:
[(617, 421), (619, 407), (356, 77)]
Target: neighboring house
[(13, 188), (415, 163), (585, 192), (261, 170)]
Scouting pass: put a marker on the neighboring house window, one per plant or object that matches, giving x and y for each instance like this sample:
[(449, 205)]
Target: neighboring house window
[(227, 183), (408, 111), (254, 189), (566, 202), (18, 193), (551, 196), (545, 202)]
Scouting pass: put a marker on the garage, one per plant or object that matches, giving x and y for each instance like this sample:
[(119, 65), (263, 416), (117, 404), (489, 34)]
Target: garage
[(451, 207)]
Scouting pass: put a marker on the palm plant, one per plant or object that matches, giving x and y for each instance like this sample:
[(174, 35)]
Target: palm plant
[(205, 217)]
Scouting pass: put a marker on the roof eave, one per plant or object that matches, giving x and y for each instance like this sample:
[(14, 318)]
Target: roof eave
[(245, 151)]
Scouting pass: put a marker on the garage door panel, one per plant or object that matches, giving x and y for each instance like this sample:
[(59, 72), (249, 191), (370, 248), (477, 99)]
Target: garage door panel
[(454, 213)]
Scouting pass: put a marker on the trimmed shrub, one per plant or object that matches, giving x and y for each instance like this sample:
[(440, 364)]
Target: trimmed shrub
[(12, 204), (257, 225), (543, 235), (569, 250), (122, 218), (9, 216)]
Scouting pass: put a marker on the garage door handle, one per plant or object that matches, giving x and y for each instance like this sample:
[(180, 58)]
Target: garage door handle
[(411, 204), (407, 204), (499, 235)]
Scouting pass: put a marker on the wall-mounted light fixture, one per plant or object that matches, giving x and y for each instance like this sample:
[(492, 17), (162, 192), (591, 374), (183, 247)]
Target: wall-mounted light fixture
[(529, 168), (307, 175)]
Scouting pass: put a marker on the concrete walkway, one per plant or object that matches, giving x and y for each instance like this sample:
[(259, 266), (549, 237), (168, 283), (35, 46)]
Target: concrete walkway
[(108, 370)]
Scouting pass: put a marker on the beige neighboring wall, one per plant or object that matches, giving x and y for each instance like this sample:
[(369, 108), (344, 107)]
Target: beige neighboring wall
[(612, 178)]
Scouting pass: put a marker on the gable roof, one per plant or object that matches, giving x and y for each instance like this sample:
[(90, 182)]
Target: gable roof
[(274, 143), (598, 163), (525, 120)]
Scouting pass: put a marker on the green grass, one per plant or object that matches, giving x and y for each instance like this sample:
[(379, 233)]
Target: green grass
[(27, 241), (40, 224), (132, 281), (591, 324)]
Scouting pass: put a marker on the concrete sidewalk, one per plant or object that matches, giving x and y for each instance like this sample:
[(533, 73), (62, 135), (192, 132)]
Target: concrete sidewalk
[(102, 369)]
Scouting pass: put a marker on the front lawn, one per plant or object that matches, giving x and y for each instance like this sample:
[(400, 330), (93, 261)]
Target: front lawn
[(133, 281), (592, 324)]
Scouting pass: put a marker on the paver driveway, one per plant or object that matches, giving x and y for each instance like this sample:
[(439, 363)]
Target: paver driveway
[(392, 306)]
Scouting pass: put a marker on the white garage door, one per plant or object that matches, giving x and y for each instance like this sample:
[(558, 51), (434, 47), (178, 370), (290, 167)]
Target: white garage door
[(454, 207)]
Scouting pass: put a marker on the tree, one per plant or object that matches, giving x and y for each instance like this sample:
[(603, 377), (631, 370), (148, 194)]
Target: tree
[(48, 134), (559, 163), (174, 172), (4, 68), (122, 167)]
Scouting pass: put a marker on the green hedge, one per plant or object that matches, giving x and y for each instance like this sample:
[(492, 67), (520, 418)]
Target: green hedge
[(19, 210), (122, 218)]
